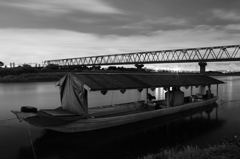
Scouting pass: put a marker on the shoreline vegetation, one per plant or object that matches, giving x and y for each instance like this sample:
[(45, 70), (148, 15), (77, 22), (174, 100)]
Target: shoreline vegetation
[(32, 77), (229, 149), (54, 73)]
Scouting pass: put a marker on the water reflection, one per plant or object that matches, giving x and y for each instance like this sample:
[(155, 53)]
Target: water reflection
[(230, 87), (128, 141)]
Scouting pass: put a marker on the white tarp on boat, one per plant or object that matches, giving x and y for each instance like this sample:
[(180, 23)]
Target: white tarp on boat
[(73, 95)]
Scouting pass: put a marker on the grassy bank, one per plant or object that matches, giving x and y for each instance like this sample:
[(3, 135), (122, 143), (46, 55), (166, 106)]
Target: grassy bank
[(32, 77), (229, 149)]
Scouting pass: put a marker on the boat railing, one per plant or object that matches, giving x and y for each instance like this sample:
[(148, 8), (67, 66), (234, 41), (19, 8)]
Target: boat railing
[(158, 104), (116, 108), (138, 105)]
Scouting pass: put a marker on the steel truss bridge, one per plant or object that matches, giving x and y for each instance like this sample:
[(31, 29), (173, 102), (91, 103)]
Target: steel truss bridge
[(203, 54)]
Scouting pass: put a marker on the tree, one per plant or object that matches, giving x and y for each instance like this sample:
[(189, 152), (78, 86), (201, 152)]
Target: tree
[(1, 64), (52, 66), (26, 66)]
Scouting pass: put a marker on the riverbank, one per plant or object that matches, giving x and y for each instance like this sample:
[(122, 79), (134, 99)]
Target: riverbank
[(32, 77), (229, 149)]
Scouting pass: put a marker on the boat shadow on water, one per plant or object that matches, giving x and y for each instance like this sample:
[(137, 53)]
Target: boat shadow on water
[(127, 141)]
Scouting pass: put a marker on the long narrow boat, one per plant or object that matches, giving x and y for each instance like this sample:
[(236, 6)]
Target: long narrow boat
[(74, 115)]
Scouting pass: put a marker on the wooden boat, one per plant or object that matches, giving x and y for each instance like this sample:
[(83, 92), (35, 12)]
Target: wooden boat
[(75, 116)]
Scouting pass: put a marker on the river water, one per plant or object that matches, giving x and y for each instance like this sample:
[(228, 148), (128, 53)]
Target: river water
[(201, 128)]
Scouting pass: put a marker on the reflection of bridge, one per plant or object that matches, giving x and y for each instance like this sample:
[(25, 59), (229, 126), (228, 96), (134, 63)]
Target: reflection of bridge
[(202, 55)]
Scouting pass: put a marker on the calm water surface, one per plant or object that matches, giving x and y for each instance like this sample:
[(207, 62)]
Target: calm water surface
[(200, 128)]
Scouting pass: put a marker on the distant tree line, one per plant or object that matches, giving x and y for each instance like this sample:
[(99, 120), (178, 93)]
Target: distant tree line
[(90, 68), (1, 64), (18, 71), (26, 69)]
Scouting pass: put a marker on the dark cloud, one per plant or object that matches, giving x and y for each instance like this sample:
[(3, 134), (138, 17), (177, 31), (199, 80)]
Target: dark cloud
[(123, 17)]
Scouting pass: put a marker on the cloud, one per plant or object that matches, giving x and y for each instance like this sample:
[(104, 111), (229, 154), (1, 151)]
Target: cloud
[(147, 24), (37, 45), (198, 36), (63, 6), (232, 27), (226, 15), (170, 21)]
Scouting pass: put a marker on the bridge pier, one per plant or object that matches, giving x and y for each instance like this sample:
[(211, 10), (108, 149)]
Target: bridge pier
[(139, 66), (202, 67), (202, 71)]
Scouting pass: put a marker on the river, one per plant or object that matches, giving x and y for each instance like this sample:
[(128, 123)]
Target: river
[(20, 140)]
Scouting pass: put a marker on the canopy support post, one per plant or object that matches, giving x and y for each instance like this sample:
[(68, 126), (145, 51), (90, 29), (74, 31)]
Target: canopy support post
[(191, 90), (209, 92), (217, 89), (112, 98), (168, 97), (146, 99)]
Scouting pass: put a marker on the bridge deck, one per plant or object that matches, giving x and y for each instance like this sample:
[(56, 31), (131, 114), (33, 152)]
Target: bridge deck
[(204, 54)]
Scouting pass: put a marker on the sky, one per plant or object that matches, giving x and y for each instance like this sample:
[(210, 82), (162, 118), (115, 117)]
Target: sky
[(32, 31)]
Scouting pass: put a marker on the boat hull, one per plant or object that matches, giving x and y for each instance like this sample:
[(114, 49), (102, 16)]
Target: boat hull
[(107, 122)]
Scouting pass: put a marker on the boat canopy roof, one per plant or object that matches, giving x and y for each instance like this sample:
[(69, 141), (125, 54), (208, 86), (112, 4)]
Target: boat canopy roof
[(74, 87), (122, 81)]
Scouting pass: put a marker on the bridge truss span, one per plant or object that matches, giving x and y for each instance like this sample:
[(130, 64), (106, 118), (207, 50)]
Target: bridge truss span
[(204, 54)]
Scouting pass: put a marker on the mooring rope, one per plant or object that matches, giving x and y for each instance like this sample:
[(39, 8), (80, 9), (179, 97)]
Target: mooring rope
[(225, 101), (229, 101), (30, 138), (29, 133), (4, 120), (219, 94)]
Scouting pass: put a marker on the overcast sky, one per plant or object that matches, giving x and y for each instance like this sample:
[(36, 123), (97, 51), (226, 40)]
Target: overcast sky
[(39, 30)]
